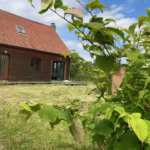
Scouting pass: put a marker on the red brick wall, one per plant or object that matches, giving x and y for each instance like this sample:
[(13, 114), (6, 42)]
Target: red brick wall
[(19, 64)]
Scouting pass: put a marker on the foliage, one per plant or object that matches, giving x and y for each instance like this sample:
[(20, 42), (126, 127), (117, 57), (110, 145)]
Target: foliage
[(80, 69), (116, 119)]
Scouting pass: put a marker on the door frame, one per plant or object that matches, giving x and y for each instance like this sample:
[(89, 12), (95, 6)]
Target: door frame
[(8, 59), (65, 67)]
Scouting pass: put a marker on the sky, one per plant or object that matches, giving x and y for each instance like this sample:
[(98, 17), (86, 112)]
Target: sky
[(125, 12)]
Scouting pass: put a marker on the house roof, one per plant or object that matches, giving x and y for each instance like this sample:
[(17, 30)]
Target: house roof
[(38, 36)]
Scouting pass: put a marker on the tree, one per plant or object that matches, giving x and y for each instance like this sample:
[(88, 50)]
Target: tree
[(126, 125)]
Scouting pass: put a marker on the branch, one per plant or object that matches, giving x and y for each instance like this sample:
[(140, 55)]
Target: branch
[(85, 8)]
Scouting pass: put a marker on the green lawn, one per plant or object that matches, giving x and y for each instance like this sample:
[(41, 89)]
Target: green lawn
[(37, 134)]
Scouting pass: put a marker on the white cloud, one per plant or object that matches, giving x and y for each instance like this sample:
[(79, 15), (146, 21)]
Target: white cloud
[(117, 14)]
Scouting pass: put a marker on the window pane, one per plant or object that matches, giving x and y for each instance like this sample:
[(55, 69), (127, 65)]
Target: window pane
[(32, 64), (37, 62)]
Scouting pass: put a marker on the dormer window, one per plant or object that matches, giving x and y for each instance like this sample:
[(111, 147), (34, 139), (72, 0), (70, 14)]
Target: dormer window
[(21, 30)]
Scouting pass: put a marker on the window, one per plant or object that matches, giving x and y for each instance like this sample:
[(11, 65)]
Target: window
[(35, 64), (20, 30)]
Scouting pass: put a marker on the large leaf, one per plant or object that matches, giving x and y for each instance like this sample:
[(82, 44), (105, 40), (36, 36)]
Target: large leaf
[(116, 31), (104, 127), (48, 113), (117, 80), (133, 56), (93, 25), (148, 12), (99, 139), (10, 108), (58, 3), (70, 27), (108, 113), (45, 5), (78, 131), (110, 20), (146, 82), (146, 32), (65, 116), (95, 4), (132, 29), (75, 12), (127, 141), (140, 128), (26, 107), (141, 20), (148, 138), (105, 63)]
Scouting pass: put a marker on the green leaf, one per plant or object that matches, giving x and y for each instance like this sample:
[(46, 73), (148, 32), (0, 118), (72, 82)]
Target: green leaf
[(133, 56), (78, 13), (146, 32), (120, 110), (105, 106), (30, 1), (94, 19), (139, 62), (110, 20), (93, 25), (132, 29), (127, 46), (10, 108), (125, 30), (141, 20), (105, 63), (148, 137), (104, 127), (95, 4), (58, 3), (140, 128), (147, 148), (64, 7), (25, 106), (135, 116), (77, 23), (45, 5), (148, 12), (71, 27), (48, 113), (52, 124), (78, 131), (31, 103), (127, 141), (108, 113), (128, 76), (26, 113), (146, 82), (65, 116), (116, 31), (142, 93), (99, 139)]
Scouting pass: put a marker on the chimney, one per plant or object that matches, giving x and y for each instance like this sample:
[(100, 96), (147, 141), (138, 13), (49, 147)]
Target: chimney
[(53, 25)]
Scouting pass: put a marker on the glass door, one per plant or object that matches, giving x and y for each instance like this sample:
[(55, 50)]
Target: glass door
[(58, 70)]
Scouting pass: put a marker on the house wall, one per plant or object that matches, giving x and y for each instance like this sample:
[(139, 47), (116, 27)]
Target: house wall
[(19, 64)]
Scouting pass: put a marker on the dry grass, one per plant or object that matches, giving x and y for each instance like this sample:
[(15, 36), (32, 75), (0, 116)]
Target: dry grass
[(37, 134)]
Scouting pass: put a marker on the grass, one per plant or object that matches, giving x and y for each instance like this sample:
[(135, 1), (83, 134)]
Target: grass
[(37, 134)]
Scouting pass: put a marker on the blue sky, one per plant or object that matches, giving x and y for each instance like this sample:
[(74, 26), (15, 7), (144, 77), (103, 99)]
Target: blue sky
[(125, 12)]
